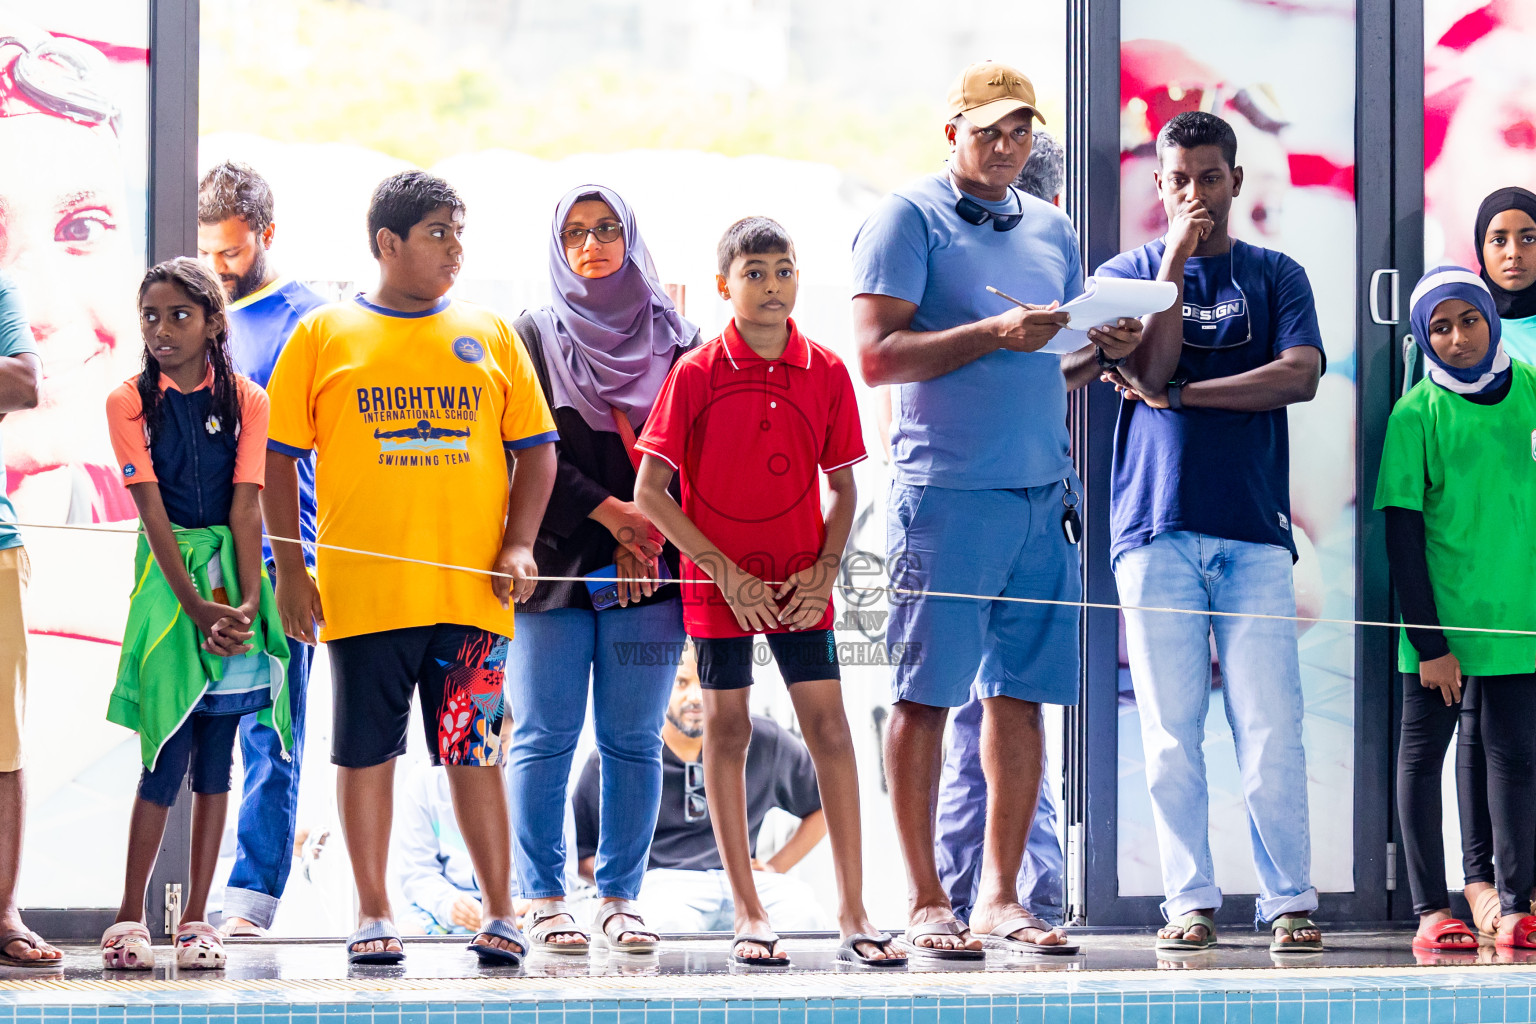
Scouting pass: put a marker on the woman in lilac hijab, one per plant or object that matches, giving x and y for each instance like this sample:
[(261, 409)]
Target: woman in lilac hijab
[(602, 348)]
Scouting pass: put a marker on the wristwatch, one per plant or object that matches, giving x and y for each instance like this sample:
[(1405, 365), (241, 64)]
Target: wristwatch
[(1176, 393), (1105, 363)]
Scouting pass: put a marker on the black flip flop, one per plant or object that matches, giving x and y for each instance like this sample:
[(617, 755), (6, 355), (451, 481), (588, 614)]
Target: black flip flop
[(848, 952), (767, 942)]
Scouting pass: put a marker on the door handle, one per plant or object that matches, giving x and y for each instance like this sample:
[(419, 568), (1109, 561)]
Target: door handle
[(1393, 317)]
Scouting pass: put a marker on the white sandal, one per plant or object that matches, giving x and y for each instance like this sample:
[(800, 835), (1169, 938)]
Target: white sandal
[(542, 927), (126, 947), (604, 936), (198, 947)]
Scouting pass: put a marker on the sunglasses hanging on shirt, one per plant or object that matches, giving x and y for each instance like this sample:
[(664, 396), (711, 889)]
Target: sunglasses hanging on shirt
[(973, 212), (1215, 327), (695, 806)]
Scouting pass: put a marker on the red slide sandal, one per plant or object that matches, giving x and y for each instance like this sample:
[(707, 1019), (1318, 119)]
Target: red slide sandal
[(1438, 939), (1523, 937)]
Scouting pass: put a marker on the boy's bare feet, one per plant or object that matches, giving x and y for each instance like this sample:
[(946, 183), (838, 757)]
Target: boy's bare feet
[(376, 945), (859, 924), (938, 913), (21, 949), (991, 913), (746, 925)]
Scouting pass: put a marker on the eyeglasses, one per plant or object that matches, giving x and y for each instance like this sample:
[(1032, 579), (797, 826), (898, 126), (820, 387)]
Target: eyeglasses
[(575, 238), (61, 76), (695, 807)]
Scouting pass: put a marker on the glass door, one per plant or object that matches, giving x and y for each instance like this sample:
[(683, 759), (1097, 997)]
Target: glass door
[(78, 221), (1301, 106)]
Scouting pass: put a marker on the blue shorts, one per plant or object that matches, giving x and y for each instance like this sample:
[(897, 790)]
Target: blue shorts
[(1006, 543), (203, 746)]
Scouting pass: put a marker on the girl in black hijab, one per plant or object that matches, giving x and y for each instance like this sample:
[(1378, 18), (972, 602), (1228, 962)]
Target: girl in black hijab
[(1506, 252)]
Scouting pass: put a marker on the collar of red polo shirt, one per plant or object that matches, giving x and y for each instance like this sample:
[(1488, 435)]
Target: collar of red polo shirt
[(797, 352)]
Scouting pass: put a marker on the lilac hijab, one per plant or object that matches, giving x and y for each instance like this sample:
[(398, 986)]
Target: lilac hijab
[(608, 343)]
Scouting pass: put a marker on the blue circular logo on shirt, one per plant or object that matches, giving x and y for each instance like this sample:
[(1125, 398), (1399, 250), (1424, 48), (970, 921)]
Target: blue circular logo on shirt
[(468, 349), (130, 469)]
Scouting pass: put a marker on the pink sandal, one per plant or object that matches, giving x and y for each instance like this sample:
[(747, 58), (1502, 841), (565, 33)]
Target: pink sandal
[(198, 947), (126, 947)]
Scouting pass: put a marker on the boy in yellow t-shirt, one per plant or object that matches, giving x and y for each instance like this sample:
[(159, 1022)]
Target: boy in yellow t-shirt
[(412, 402)]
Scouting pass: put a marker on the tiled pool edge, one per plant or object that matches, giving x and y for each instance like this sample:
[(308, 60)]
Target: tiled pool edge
[(1472, 996)]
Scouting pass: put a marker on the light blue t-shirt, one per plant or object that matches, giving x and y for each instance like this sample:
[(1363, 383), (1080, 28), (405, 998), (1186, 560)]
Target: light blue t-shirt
[(1519, 337), (1000, 421), (15, 338)]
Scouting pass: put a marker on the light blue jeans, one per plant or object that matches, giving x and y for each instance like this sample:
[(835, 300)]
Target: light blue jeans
[(960, 824), (1170, 659), (630, 657)]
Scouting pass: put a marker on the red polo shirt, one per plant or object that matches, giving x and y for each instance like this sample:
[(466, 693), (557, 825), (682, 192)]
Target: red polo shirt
[(747, 436)]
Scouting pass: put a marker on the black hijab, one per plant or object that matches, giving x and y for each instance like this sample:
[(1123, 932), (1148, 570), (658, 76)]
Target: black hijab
[(1511, 305)]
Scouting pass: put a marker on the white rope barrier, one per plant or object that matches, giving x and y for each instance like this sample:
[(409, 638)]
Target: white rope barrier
[(890, 591)]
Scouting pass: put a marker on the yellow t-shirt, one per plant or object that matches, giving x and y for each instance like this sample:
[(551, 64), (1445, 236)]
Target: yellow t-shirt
[(411, 416)]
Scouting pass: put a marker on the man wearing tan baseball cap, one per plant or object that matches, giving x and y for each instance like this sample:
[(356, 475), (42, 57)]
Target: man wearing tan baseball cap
[(986, 92), (979, 439)]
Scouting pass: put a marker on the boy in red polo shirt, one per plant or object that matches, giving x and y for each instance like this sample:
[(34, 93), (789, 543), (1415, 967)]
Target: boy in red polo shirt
[(748, 420)]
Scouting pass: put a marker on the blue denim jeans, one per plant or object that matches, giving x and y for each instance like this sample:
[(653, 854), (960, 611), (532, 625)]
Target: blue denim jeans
[(269, 804), (553, 657), (1170, 658), (961, 823)]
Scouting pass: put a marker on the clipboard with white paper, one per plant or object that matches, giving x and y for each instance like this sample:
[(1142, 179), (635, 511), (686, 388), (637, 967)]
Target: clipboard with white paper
[(1103, 301)]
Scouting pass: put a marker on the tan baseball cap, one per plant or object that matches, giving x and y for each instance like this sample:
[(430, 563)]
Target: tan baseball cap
[(987, 92)]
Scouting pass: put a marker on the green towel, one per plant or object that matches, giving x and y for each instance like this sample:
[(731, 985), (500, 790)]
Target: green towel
[(163, 671)]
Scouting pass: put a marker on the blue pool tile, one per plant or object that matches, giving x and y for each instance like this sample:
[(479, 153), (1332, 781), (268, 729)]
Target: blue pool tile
[(1516, 1007), (1466, 1007), (711, 1011), (464, 1013), (1108, 1013), (496, 1013), (1030, 1010), (897, 1011), (685, 1012), (766, 1011), (1442, 1008), (847, 1011)]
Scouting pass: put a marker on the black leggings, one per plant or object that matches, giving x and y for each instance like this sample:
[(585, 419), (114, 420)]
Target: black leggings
[(1496, 786)]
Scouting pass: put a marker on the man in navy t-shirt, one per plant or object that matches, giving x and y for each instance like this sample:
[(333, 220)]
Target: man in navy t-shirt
[(1200, 519), (235, 228), (983, 481)]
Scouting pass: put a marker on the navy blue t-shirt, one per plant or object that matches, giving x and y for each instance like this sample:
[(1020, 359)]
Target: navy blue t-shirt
[(1213, 471), (259, 326)]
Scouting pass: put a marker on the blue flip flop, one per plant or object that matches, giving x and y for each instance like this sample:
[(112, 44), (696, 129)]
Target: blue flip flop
[(494, 956), (378, 930)]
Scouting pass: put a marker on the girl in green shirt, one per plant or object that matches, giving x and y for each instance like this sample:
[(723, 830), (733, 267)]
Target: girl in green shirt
[(1458, 485)]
